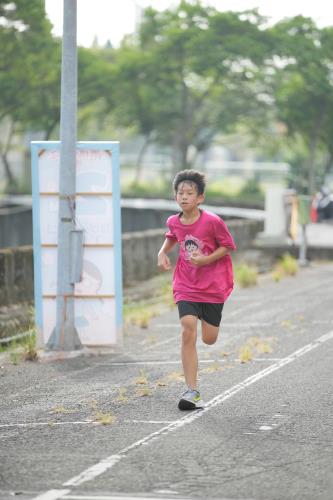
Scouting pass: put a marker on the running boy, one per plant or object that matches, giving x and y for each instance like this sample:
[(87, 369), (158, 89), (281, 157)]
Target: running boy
[(203, 277)]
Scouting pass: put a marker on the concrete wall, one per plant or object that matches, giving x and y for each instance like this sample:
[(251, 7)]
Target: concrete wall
[(16, 223), (15, 226), (139, 260), (136, 215)]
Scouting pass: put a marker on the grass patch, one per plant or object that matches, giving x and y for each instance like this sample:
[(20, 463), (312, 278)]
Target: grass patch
[(245, 275), (257, 346), (122, 395), (171, 378), (104, 418), (21, 349), (245, 354), (144, 392), (142, 378), (140, 312), (214, 367), (286, 266)]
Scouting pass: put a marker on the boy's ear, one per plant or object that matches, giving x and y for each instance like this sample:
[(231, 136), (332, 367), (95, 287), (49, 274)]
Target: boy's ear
[(201, 198)]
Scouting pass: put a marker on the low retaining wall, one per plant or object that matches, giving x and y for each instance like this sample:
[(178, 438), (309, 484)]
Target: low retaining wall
[(139, 263), (139, 252), (15, 226), (136, 215), (140, 248)]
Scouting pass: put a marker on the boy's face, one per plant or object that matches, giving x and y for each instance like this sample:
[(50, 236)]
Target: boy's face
[(187, 196)]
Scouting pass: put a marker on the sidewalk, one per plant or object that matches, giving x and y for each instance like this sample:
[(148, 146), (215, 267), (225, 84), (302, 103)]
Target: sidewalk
[(108, 426)]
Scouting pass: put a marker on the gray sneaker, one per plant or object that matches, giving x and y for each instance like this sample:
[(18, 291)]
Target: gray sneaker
[(190, 400)]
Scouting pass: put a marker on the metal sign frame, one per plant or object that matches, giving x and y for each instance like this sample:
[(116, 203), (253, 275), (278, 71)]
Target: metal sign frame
[(115, 267)]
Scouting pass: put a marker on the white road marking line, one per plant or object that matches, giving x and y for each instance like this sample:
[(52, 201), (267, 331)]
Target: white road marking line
[(108, 462), (51, 424), (225, 324), (167, 341), (148, 421), (262, 359), (52, 495), (241, 310), (178, 362), (99, 497)]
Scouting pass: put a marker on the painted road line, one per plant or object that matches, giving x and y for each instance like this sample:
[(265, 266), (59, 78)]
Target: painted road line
[(148, 421), (178, 362), (225, 324), (92, 422), (51, 424), (103, 497), (163, 342), (52, 494), (107, 463)]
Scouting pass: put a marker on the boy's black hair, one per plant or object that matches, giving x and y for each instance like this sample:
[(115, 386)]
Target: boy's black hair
[(190, 176)]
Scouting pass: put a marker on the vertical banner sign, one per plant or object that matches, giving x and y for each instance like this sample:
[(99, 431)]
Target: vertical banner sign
[(98, 297)]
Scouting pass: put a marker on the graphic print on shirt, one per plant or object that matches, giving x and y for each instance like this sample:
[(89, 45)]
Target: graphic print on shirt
[(191, 244)]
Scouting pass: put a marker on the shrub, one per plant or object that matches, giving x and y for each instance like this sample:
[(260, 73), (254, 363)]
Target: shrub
[(287, 266), (246, 275)]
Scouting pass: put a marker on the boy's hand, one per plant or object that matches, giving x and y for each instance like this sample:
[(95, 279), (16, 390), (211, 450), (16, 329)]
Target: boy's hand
[(163, 262), (198, 259)]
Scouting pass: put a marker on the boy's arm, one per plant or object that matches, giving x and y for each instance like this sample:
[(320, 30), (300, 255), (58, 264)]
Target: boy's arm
[(202, 260), (163, 261)]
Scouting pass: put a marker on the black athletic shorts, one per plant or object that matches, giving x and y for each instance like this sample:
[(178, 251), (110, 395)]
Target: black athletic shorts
[(211, 313)]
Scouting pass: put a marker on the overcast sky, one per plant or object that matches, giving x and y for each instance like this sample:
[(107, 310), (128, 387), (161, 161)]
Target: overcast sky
[(112, 19)]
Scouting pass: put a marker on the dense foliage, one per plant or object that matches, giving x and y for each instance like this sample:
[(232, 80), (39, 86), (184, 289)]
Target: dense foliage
[(189, 74)]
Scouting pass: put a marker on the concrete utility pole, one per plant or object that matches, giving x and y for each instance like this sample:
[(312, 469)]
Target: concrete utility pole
[(64, 336)]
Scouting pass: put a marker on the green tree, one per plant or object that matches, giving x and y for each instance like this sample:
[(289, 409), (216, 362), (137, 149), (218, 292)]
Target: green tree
[(30, 74), (304, 91), (190, 73), (27, 52)]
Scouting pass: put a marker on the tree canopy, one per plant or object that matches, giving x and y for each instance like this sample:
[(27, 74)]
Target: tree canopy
[(190, 73)]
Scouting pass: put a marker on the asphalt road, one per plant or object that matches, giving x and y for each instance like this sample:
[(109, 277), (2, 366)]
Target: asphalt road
[(266, 431)]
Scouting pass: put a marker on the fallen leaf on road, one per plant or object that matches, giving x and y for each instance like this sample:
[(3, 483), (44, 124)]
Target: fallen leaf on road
[(245, 354)]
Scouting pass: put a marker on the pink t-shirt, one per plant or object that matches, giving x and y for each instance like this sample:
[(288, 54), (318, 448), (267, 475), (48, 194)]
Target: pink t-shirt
[(210, 283)]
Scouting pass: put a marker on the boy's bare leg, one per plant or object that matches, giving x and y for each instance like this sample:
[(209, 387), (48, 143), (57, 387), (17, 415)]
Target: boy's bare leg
[(189, 350), (209, 332)]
